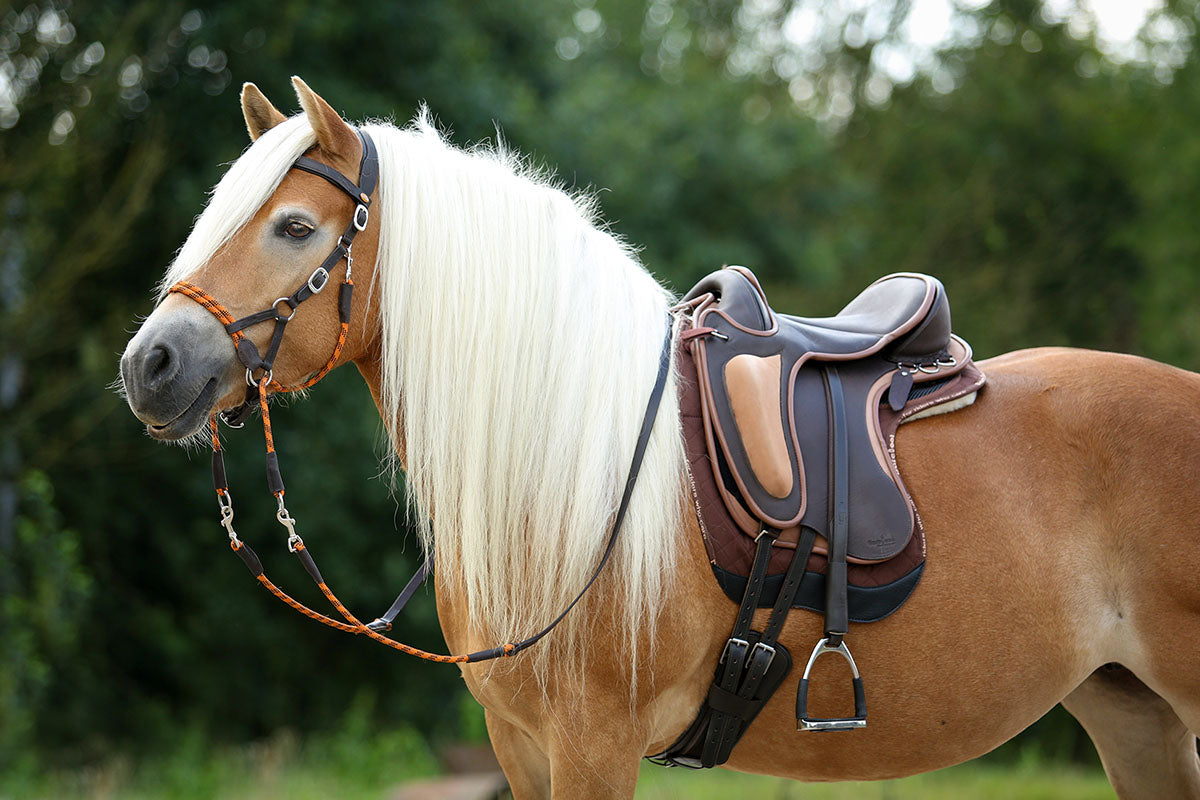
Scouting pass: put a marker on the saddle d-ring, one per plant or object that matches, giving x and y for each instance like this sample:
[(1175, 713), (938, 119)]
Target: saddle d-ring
[(806, 723)]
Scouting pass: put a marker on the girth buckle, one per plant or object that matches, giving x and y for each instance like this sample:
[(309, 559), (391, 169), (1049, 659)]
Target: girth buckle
[(760, 646), (733, 642)]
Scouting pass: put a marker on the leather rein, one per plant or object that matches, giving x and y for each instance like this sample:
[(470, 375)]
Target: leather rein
[(257, 395)]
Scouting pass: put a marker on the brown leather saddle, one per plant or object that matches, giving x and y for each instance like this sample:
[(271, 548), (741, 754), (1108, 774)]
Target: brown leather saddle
[(790, 425)]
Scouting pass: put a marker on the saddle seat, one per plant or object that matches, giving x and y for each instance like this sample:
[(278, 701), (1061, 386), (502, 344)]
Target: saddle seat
[(880, 313)]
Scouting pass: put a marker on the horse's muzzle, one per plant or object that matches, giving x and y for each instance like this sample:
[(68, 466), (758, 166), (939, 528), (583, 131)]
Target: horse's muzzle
[(175, 370)]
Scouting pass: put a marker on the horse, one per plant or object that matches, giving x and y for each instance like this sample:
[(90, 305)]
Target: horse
[(509, 342)]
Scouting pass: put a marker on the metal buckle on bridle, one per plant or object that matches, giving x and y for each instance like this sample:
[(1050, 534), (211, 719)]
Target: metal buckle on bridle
[(361, 211), (324, 273)]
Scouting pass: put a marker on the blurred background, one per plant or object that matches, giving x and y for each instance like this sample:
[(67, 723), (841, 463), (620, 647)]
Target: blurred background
[(1041, 158)]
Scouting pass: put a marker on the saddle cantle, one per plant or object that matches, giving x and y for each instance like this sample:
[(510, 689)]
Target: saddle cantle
[(790, 428)]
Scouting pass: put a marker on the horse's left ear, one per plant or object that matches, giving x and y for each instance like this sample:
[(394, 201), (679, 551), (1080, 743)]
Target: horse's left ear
[(334, 135), (260, 115)]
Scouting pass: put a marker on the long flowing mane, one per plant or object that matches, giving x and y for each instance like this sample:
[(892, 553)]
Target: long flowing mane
[(519, 345)]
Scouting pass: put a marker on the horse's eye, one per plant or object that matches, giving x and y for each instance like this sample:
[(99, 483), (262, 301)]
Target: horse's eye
[(297, 230)]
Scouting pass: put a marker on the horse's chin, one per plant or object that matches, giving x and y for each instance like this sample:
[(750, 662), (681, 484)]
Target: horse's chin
[(191, 420)]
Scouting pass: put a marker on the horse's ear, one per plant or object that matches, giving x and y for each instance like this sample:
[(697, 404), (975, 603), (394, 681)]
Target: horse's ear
[(260, 115), (334, 134)]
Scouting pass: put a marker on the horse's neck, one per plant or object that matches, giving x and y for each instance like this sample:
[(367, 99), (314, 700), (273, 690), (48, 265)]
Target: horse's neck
[(370, 367)]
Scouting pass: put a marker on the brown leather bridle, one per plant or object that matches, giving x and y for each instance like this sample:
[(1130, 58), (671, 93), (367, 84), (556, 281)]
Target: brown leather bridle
[(257, 395)]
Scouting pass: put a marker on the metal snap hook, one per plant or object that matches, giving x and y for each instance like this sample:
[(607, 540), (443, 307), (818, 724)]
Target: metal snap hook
[(225, 501)]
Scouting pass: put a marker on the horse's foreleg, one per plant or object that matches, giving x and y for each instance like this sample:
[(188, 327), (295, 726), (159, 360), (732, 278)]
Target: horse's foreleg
[(594, 766), (525, 764), (1146, 750)]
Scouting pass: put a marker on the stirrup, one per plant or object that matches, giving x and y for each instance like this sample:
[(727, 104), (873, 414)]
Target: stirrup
[(806, 723)]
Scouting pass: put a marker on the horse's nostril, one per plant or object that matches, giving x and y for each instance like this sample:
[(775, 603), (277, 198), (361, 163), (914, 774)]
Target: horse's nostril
[(160, 365)]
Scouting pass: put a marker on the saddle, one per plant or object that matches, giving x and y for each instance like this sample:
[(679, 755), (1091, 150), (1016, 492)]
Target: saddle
[(790, 427)]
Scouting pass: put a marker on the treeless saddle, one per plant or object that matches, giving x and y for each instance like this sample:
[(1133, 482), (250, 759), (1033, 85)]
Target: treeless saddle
[(790, 427)]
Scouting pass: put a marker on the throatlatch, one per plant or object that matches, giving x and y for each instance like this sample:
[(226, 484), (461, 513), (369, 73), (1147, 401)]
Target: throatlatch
[(257, 395)]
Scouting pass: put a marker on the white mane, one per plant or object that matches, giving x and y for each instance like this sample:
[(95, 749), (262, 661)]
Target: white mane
[(520, 344)]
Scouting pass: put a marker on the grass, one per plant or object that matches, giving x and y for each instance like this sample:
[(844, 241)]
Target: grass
[(975, 781), (371, 767), (282, 766)]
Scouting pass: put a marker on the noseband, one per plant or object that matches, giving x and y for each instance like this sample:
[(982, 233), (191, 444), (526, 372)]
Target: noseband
[(257, 394)]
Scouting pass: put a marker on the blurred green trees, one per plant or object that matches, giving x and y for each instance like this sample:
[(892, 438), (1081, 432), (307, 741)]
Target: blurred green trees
[(1051, 189)]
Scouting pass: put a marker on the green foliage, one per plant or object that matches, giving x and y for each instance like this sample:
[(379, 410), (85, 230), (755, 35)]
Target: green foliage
[(43, 589)]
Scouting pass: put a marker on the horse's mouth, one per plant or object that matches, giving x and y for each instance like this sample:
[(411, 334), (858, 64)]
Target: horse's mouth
[(190, 419)]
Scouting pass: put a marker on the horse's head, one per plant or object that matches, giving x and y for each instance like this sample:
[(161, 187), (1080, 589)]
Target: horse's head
[(182, 366)]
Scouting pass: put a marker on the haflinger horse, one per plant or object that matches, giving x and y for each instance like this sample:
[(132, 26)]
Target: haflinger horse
[(510, 343)]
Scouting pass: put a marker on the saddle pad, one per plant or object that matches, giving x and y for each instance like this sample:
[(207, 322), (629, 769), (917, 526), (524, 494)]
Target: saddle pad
[(875, 590)]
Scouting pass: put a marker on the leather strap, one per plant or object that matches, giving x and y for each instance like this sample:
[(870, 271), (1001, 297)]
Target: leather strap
[(723, 727), (837, 614), (384, 622), (739, 693)]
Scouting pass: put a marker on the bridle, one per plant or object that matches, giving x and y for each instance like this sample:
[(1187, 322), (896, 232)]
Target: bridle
[(247, 351), (256, 395)]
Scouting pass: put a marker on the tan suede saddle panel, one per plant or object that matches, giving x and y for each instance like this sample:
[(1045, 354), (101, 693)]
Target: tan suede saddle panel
[(764, 395)]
